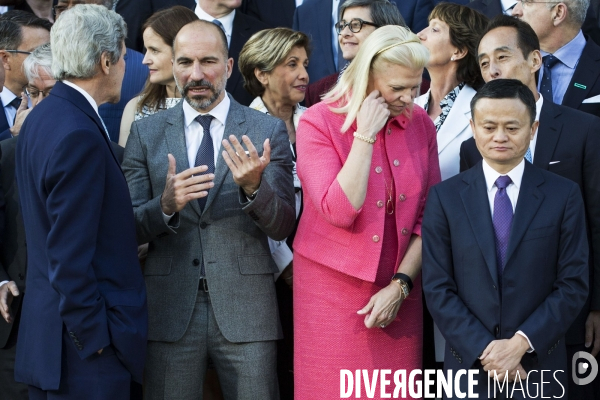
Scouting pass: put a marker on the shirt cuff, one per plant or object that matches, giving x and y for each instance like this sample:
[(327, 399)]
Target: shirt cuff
[(167, 218), (3, 282), (282, 255), (531, 349)]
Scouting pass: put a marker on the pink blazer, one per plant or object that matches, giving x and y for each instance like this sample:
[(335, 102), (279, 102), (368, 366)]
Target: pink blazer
[(331, 232)]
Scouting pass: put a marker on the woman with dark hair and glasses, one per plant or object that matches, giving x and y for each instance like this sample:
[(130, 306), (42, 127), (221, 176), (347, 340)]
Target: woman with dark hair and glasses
[(358, 19)]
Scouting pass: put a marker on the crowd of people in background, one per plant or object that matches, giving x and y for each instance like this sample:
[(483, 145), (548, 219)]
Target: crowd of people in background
[(238, 199)]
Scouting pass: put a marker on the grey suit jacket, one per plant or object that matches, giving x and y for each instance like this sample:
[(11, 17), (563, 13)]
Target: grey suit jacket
[(231, 234)]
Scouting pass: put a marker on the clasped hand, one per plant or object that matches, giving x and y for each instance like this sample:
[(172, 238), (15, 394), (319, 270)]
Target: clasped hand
[(383, 306), (7, 292), (505, 356)]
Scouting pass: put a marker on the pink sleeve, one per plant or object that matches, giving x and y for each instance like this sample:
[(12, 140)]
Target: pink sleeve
[(318, 166), (433, 168)]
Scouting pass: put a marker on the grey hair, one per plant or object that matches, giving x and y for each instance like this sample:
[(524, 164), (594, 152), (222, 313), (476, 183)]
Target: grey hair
[(577, 10), (383, 12), (79, 38), (41, 57)]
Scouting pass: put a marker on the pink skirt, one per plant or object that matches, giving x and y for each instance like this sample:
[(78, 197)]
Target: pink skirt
[(329, 336)]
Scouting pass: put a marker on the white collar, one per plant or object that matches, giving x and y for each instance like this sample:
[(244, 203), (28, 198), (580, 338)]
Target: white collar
[(84, 93), (226, 20), (219, 112), (6, 96), (538, 107), (515, 174)]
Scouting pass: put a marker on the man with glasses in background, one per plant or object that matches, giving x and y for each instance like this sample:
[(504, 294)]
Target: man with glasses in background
[(570, 74), (20, 33)]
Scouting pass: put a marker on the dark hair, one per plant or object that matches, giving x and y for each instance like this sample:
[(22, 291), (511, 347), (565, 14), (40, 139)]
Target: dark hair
[(166, 24), (465, 26), (265, 50), (527, 40), (506, 89), (383, 12), (11, 22)]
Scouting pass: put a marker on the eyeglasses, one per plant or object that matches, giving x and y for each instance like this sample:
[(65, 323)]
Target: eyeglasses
[(18, 52), (34, 92), (355, 25)]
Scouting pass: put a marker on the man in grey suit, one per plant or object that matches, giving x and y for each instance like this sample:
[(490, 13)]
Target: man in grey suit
[(207, 215)]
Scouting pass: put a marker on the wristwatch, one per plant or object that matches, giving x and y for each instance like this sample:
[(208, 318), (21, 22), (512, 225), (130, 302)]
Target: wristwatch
[(403, 287)]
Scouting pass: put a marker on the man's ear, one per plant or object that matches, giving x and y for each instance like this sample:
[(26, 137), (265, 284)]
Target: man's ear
[(5, 57), (559, 14), (105, 63)]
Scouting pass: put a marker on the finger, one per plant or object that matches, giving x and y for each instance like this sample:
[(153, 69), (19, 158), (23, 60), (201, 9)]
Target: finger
[(266, 156), (373, 95), (371, 320), (12, 287), (172, 165), (24, 103), (486, 351), (199, 188), (239, 150), (366, 308), (232, 166), (231, 153), (596, 347), (252, 153), (193, 172)]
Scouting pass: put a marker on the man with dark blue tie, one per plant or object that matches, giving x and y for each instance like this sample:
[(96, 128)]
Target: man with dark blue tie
[(505, 253)]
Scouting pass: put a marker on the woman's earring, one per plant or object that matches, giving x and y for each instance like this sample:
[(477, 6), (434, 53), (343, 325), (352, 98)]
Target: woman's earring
[(452, 58)]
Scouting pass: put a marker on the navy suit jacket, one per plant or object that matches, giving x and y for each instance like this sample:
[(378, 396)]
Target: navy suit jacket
[(545, 279), (274, 13), (83, 275), (4, 127), (313, 17), (573, 154), (587, 75), (136, 74)]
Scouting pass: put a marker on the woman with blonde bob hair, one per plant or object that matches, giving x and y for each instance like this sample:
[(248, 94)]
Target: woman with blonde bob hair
[(366, 160)]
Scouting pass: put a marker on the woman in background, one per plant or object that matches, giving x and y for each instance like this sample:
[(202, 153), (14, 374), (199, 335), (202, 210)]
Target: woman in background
[(273, 63), (160, 91)]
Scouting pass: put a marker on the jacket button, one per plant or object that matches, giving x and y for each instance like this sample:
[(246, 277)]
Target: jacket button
[(376, 238), (196, 262), (402, 197), (396, 163), (21, 277), (379, 204), (404, 231), (494, 286), (378, 170), (203, 225)]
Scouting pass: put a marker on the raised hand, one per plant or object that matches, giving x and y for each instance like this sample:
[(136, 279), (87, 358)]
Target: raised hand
[(372, 115), (246, 167)]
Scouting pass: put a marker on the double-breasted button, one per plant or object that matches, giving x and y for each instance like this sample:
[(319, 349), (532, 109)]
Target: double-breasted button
[(389, 131), (396, 163), (379, 203), (404, 231), (375, 238), (378, 170), (203, 225), (196, 262), (402, 197)]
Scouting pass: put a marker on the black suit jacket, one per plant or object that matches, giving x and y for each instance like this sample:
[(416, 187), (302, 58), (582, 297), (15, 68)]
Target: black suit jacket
[(587, 74), (274, 13), (544, 282), (244, 27), (568, 144)]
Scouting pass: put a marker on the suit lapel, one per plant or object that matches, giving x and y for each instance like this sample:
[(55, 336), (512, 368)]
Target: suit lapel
[(548, 134), (586, 74), (457, 120), (529, 201), (235, 125), (176, 146), (3, 121), (474, 197), (325, 15)]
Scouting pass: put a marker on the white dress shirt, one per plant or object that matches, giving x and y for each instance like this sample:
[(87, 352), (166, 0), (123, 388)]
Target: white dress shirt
[(7, 96), (194, 132), (507, 6), (512, 190), (538, 110), (334, 35), (226, 21)]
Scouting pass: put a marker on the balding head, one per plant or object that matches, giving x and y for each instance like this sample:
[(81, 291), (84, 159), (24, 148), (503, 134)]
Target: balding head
[(204, 29)]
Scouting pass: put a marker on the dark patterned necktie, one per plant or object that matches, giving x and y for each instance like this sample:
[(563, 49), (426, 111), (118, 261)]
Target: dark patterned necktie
[(206, 152), (503, 216), (15, 103), (546, 86)]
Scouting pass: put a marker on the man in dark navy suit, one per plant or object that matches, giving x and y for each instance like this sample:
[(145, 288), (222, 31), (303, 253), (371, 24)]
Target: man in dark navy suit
[(505, 254), (20, 33), (84, 319), (136, 74), (567, 143), (570, 74)]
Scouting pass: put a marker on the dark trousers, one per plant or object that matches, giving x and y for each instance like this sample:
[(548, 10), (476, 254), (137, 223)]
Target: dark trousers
[(98, 377), (285, 346), (9, 389)]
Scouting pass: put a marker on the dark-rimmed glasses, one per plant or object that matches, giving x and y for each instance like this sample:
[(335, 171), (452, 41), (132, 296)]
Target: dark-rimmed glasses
[(33, 92), (18, 52), (355, 25)]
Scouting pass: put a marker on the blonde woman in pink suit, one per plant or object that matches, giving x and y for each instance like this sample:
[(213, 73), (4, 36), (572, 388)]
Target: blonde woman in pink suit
[(366, 160)]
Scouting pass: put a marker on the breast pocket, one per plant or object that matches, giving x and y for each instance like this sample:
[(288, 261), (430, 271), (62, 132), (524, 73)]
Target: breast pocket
[(538, 233)]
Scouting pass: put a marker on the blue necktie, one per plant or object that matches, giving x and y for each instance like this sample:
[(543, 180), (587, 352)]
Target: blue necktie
[(206, 152), (503, 216), (546, 86)]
